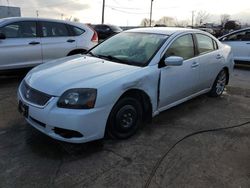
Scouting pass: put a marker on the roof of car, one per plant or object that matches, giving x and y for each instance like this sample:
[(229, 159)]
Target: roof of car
[(31, 19), (162, 30), (236, 31)]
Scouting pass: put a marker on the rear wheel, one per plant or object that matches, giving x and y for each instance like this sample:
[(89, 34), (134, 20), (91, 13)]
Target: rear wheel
[(124, 119), (219, 84)]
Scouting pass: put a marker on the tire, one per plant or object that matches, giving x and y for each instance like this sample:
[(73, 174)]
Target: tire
[(219, 84), (124, 119)]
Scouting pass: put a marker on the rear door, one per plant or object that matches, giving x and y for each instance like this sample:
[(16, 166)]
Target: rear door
[(57, 41), (22, 47), (210, 60), (240, 43)]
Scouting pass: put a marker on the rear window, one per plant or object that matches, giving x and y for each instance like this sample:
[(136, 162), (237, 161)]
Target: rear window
[(77, 31)]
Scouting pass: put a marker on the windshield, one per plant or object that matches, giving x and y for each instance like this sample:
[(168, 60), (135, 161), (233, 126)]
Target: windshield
[(130, 48)]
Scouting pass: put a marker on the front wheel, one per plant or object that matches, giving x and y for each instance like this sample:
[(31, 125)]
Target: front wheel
[(219, 84), (124, 119)]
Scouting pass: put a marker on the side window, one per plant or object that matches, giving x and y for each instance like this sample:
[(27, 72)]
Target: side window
[(205, 43), (77, 31), (246, 37), (20, 30), (52, 29), (183, 47), (240, 36)]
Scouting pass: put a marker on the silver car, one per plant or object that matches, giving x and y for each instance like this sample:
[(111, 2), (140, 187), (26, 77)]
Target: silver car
[(128, 78), (240, 43), (26, 42)]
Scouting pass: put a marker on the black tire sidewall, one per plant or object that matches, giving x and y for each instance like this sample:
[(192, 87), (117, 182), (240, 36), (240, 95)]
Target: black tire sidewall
[(112, 129)]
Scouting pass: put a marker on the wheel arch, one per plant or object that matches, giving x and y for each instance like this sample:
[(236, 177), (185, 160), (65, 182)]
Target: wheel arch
[(144, 100), (227, 72)]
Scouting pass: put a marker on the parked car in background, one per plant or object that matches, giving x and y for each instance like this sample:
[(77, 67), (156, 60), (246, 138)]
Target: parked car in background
[(209, 30), (128, 78), (27, 42), (105, 31), (240, 43)]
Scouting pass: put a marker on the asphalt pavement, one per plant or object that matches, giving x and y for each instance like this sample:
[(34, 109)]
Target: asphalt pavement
[(157, 156)]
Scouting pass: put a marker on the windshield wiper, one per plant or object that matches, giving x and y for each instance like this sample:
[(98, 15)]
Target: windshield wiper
[(112, 58), (92, 54)]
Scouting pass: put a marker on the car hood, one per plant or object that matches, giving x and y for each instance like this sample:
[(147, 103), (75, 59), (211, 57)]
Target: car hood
[(79, 71)]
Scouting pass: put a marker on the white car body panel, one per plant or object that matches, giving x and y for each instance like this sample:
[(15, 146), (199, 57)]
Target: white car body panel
[(18, 53), (165, 87), (240, 49)]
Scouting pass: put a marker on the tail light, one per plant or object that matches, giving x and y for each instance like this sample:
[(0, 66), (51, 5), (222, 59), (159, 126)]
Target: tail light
[(95, 35)]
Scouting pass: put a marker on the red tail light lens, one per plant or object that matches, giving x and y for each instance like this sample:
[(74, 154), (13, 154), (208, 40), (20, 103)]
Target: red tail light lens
[(95, 35)]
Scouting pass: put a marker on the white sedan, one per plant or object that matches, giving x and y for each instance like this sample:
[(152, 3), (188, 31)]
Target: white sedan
[(129, 78), (240, 43)]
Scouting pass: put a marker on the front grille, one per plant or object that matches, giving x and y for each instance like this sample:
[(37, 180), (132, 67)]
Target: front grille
[(33, 96)]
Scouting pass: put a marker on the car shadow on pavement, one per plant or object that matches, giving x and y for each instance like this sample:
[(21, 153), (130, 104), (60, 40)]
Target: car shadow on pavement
[(46, 147)]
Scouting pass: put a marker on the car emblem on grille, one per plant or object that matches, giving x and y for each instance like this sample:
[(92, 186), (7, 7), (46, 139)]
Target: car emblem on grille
[(28, 94)]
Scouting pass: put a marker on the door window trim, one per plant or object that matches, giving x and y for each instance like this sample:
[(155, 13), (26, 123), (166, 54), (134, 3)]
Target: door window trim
[(197, 45), (41, 32), (161, 64), (15, 22)]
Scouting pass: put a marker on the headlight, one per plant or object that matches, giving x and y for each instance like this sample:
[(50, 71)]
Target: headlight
[(78, 99)]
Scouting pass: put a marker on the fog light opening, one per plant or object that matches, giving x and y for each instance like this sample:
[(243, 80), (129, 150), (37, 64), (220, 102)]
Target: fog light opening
[(65, 133)]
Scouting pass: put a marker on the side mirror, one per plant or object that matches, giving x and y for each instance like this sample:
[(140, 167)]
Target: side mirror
[(2, 36), (173, 61)]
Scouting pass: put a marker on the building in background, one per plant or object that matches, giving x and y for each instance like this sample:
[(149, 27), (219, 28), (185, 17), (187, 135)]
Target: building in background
[(6, 11)]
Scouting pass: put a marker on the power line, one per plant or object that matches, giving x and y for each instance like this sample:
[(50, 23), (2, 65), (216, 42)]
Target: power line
[(127, 12)]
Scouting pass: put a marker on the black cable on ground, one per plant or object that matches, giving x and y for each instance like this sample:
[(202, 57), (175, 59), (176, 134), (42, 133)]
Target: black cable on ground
[(185, 137)]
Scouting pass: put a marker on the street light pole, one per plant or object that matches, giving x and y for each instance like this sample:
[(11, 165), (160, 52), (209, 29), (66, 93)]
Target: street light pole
[(150, 20), (103, 8)]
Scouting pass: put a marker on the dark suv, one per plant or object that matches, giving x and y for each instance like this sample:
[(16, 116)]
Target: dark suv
[(105, 31)]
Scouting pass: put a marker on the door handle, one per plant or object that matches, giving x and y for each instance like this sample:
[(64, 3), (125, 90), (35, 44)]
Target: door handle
[(34, 43), (194, 64), (71, 40), (219, 56)]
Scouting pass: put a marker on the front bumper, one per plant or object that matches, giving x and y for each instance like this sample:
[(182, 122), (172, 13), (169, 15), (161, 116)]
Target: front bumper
[(88, 124)]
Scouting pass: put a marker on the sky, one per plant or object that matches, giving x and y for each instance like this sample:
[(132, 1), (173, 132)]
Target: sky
[(131, 12)]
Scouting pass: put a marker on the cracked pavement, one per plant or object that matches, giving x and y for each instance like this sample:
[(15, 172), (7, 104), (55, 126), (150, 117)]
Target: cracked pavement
[(215, 159)]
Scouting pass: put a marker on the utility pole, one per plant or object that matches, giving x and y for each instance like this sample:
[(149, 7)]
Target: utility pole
[(151, 8), (103, 8), (37, 13), (193, 19)]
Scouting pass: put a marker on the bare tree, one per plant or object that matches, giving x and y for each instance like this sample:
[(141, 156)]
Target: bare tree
[(202, 17), (224, 18), (181, 23), (76, 20), (146, 22)]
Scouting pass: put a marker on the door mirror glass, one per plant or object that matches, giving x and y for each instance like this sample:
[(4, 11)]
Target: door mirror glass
[(173, 61), (2, 36)]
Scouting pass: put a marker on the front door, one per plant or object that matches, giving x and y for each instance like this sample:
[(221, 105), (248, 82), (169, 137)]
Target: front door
[(178, 82), (22, 47)]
